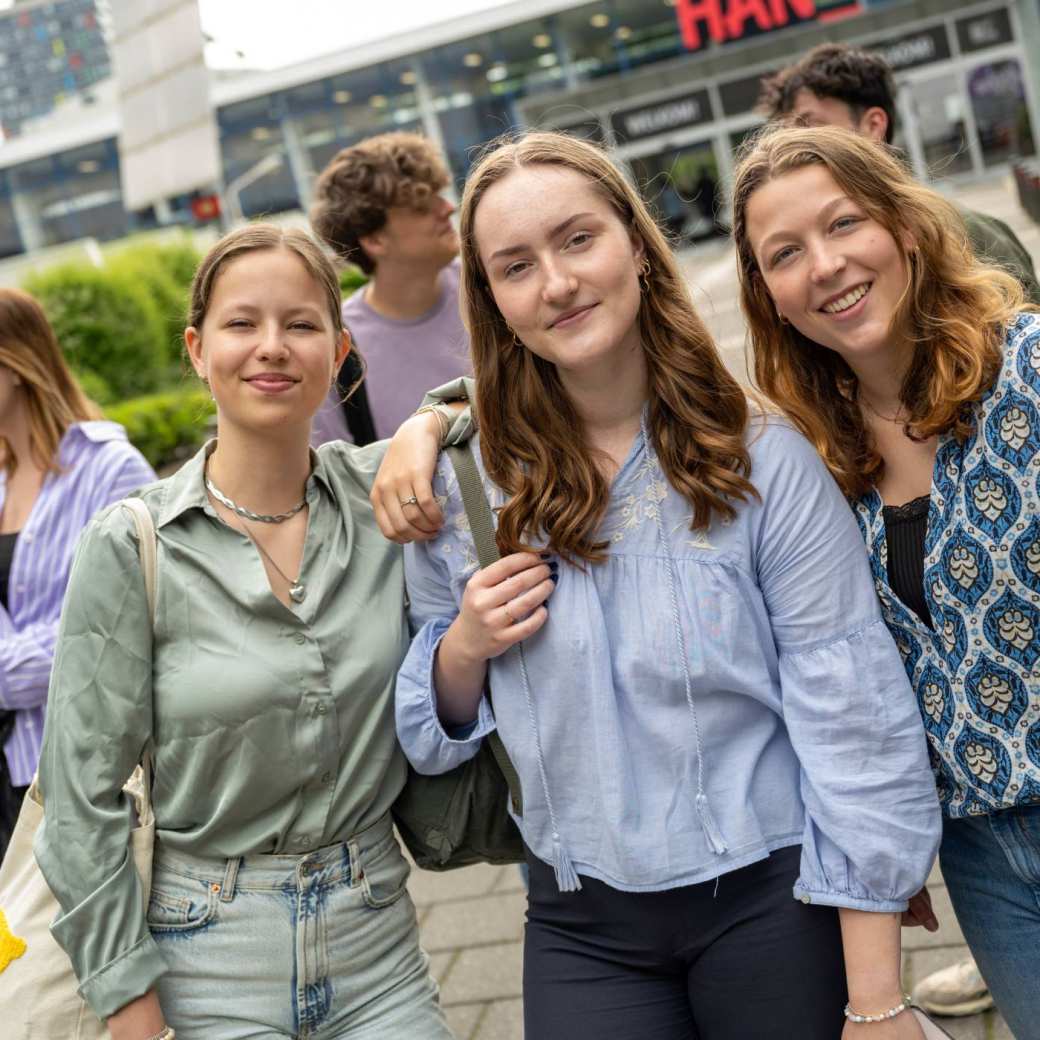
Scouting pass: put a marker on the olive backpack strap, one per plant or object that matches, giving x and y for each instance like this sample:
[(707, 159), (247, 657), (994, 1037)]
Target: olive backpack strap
[(482, 528)]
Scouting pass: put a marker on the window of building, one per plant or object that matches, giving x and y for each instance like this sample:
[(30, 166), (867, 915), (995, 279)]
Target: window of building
[(998, 102)]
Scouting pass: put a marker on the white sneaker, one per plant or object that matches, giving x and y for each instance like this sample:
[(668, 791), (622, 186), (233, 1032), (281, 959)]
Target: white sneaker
[(957, 990)]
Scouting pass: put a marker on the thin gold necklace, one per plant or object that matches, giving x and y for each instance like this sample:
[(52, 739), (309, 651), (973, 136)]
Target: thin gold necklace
[(885, 418)]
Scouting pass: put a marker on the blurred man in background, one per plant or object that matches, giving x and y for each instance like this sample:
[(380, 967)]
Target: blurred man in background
[(378, 205)]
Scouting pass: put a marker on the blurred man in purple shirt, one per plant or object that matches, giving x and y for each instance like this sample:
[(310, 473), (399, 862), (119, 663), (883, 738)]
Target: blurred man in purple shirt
[(378, 205)]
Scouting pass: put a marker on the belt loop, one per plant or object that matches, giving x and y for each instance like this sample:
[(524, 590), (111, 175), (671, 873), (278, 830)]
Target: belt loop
[(227, 889), (357, 872)]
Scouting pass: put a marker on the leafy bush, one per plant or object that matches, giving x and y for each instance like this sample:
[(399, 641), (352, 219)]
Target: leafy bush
[(180, 258), (106, 323), (145, 264), (166, 427), (94, 387), (351, 278)]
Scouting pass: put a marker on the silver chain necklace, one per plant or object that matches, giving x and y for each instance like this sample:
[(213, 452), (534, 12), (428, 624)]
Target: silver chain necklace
[(248, 514), (297, 590)]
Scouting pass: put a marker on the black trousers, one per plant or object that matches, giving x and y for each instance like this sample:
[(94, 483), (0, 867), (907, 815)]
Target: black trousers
[(743, 962)]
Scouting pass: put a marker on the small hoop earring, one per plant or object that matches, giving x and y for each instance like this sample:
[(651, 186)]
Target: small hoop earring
[(644, 274), (783, 320), (516, 338)]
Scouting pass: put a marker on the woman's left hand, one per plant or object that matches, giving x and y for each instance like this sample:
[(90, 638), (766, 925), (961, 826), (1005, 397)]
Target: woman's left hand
[(402, 495), (902, 1027)]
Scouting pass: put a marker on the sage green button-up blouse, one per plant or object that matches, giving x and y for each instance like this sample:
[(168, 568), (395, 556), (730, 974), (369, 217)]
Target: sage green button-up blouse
[(272, 728)]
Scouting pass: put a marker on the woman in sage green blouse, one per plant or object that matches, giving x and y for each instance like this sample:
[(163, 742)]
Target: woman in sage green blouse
[(265, 691)]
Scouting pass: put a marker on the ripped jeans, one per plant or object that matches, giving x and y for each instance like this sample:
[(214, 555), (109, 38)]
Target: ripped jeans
[(323, 946)]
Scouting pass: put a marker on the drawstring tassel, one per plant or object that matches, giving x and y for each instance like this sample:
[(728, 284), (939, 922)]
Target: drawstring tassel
[(567, 879), (711, 828)]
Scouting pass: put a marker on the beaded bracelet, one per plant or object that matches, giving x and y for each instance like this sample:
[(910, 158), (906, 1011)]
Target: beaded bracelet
[(881, 1016)]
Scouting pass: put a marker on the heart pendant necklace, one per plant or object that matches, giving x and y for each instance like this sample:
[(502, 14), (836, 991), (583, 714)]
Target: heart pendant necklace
[(297, 590)]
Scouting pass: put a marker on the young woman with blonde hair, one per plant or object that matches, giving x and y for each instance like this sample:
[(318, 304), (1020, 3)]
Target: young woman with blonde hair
[(264, 691), (60, 462), (914, 370), (724, 776)]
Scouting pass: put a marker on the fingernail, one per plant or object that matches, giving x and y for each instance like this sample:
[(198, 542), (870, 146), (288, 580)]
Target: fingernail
[(554, 566), (545, 556), (554, 578)]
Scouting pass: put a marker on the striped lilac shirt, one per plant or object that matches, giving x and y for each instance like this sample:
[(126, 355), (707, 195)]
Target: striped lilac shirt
[(98, 466)]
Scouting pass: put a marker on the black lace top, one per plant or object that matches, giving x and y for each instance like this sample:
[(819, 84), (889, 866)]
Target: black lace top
[(905, 530)]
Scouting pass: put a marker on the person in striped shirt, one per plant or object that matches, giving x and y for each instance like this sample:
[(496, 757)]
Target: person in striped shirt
[(59, 464)]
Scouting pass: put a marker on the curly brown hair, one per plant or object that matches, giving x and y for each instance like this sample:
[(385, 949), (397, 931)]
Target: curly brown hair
[(954, 311), (361, 183), (856, 77), (534, 448)]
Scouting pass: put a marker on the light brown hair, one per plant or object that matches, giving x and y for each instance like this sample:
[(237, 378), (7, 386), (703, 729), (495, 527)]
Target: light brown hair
[(54, 400), (532, 440), (360, 183), (954, 311), (254, 238)]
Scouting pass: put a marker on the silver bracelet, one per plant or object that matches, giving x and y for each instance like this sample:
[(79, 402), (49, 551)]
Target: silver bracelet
[(166, 1034), (881, 1016)]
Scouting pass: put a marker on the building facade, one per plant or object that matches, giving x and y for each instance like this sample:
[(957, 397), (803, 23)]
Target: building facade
[(669, 85)]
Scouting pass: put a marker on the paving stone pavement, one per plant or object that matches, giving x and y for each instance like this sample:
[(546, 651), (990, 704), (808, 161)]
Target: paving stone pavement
[(471, 920)]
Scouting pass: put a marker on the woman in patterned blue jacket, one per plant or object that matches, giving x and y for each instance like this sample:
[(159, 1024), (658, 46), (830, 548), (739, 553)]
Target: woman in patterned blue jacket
[(915, 371)]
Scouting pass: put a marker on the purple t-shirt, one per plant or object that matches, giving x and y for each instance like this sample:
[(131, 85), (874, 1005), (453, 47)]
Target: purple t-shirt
[(403, 359)]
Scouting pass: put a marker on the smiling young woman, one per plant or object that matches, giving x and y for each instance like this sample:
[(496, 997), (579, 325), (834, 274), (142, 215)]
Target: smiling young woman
[(914, 368), (689, 663), (265, 692)]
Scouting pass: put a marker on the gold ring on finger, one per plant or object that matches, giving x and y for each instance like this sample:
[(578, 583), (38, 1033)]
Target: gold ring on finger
[(512, 620), (410, 501)]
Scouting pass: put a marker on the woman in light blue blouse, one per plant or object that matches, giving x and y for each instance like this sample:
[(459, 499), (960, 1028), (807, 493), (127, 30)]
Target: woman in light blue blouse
[(915, 371), (689, 665)]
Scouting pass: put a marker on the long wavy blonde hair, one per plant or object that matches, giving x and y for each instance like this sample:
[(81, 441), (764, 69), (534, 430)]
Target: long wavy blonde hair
[(954, 311), (532, 441), (54, 400)]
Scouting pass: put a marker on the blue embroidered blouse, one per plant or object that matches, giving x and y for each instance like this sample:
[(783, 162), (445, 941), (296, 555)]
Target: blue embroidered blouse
[(975, 670), (698, 699)]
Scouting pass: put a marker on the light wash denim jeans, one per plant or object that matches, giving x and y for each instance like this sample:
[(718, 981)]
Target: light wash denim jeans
[(323, 946), (991, 865)]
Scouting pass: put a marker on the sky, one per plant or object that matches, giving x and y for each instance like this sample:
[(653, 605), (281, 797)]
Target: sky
[(270, 33)]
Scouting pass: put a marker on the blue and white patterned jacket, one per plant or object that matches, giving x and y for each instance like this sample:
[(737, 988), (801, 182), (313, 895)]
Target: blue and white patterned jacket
[(977, 670)]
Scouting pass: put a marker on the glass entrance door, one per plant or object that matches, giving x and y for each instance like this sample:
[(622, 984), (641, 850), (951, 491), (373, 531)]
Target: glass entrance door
[(682, 186), (937, 109), (998, 101)]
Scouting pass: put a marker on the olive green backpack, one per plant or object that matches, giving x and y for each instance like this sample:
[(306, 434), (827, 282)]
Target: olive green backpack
[(460, 817)]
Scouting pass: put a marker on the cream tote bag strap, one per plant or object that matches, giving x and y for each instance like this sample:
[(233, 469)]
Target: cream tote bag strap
[(38, 989)]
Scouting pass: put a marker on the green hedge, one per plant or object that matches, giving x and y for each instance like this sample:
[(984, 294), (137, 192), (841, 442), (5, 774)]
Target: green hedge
[(350, 279), (166, 427), (106, 323), (122, 322), (161, 273)]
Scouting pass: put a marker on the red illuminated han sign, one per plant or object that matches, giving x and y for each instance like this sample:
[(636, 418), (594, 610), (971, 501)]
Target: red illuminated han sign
[(727, 20)]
